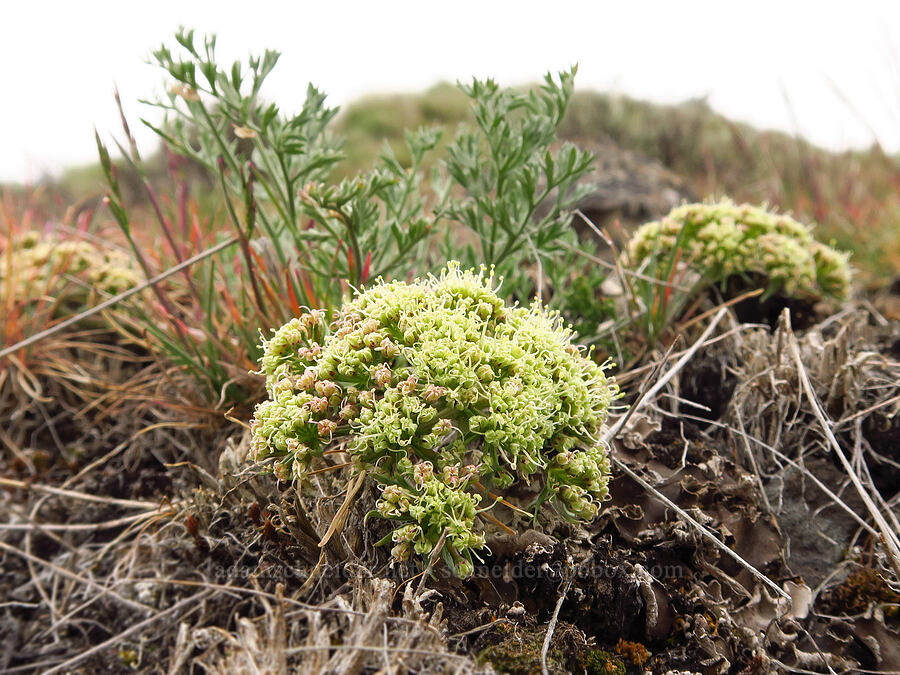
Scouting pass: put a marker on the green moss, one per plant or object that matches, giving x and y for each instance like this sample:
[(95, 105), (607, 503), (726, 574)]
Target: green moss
[(518, 651), (599, 662), (521, 658), (442, 393)]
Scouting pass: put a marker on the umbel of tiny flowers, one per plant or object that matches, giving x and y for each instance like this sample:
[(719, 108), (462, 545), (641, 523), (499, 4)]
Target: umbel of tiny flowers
[(446, 397), (721, 240), (39, 259)]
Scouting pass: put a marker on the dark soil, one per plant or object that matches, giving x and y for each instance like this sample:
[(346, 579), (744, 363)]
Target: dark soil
[(768, 310)]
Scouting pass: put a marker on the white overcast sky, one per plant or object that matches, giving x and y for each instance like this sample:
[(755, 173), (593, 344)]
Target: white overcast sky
[(775, 64)]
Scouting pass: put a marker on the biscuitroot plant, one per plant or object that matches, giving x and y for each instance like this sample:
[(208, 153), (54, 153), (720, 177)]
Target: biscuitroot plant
[(697, 245), (63, 272), (446, 397), (725, 239)]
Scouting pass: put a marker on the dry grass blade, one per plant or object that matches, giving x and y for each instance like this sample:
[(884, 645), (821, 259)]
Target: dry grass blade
[(648, 396), (620, 424), (794, 464), (65, 666), (862, 414), (663, 381), (340, 518), (246, 590), (387, 650), (552, 625), (83, 496), (745, 437), (629, 375), (56, 569), (432, 559), (728, 303), (79, 527)]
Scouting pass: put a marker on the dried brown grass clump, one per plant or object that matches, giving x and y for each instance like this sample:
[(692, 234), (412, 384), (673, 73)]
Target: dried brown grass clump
[(219, 578), (853, 375), (334, 637), (821, 407)]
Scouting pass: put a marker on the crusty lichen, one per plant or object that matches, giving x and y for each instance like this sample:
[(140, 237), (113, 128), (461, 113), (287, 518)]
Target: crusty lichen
[(442, 394), (724, 239)]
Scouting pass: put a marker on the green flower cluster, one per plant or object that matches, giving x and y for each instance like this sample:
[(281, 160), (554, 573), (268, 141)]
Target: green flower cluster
[(41, 264), (724, 239), (442, 394)]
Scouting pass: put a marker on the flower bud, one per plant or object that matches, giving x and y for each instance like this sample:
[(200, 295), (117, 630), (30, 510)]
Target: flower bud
[(367, 398), (433, 393), (284, 384), (326, 428), (405, 533), (392, 494), (312, 319), (512, 386), (443, 426), (423, 471), (309, 353), (326, 388), (470, 471), (389, 349), (258, 449), (408, 386), (564, 458), (402, 551), (307, 379), (349, 412), (282, 470), (451, 475), (464, 567), (318, 404), (383, 376)]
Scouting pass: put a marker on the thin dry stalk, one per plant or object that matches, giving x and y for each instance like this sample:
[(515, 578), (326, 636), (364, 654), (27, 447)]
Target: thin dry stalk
[(751, 457), (106, 644), (61, 571), (794, 464), (629, 375), (83, 496), (645, 398), (552, 625), (887, 535), (722, 546), (649, 395)]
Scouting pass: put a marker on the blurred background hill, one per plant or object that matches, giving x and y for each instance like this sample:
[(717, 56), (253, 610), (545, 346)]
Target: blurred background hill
[(649, 158)]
